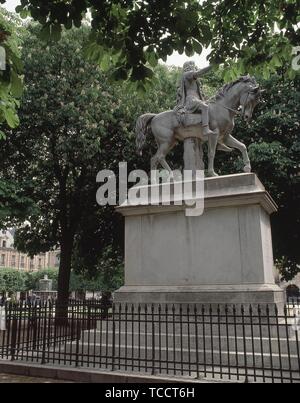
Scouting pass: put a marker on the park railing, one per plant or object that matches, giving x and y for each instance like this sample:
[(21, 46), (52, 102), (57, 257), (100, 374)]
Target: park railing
[(239, 343)]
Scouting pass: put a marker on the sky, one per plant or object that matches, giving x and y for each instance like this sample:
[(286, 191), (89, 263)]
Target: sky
[(174, 60)]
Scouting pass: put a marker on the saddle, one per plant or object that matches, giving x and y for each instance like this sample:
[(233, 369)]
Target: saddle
[(189, 126)]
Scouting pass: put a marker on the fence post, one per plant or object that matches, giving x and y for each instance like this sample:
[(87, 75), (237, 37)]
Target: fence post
[(77, 342), (34, 324), (153, 340), (114, 339), (44, 334), (14, 338)]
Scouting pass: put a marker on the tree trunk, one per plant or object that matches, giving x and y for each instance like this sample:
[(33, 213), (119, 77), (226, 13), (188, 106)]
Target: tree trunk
[(66, 248)]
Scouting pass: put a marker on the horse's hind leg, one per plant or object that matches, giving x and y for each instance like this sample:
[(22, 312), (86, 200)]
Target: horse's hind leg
[(160, 157), (163, 150)]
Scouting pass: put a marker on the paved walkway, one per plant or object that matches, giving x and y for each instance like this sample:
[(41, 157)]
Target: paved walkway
[(7, 378)]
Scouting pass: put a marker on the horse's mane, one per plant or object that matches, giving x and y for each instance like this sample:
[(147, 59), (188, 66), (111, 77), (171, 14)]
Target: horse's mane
[(244, 79)]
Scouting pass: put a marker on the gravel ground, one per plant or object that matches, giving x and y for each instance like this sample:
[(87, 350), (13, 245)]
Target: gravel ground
[(7, 378)]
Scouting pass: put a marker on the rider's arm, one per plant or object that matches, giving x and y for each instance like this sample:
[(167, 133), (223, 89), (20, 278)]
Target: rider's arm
[(202, 71)]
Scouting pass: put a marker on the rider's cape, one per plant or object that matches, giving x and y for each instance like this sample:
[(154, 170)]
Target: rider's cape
[(180, 109)]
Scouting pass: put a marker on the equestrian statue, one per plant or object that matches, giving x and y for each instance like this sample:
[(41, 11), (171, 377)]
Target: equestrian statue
[(195, 121)]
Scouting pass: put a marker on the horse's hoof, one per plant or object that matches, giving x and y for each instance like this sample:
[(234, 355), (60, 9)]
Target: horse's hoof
[(247, 169), (212, 174), (223, 147)]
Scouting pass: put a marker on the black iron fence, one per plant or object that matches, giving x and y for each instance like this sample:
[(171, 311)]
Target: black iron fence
[(250, 344)]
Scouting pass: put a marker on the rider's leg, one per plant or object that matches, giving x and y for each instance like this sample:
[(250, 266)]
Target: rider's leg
[(205, 119)]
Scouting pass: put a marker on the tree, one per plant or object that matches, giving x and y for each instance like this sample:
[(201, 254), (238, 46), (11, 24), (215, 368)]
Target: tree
[(74, 122), (132, 35), (10, 71), (12, 203), (11, 281)]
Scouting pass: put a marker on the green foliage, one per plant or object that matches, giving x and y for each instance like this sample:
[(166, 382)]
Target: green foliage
[(109, 271), (12, 281), (12, 204), (15, 205), (131, 36), (11, 85)]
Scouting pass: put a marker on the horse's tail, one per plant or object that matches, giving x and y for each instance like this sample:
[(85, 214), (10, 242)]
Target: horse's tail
[(143, 128)]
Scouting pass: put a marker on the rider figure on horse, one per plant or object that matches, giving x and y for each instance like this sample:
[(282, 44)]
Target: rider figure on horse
[(190, 97)]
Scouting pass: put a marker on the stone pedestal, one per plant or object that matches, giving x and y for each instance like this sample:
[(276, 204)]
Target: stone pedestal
[(223, 256)]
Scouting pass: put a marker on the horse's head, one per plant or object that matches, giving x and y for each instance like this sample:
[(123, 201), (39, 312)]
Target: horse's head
[(249, 99)]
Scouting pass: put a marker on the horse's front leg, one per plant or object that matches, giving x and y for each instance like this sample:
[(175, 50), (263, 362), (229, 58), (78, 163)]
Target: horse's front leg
[(233, 142), (212, 146)]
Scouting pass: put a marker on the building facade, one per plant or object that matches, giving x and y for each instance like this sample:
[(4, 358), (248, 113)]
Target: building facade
[(12, 258)]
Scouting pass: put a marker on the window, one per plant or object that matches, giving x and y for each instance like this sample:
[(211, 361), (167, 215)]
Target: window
[(13, 261), (31, 264), (4, 244), (57, 260), (40, 263), (2, 260), (22, 262)]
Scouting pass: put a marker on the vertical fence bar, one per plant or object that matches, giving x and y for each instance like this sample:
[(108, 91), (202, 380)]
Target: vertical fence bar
[(126, 337), (132, 337), (78, 333), (286, 315), (174, 337), (146, 337), (22, 332), (297, 330), (8, 328), (28, 332), (196, 340), (204, 338), (279, 344), (19, 328), (244, 344), (211, 323), (153, 340), (82, 311), (261, 343), (43, 361), (159, 339), (89, 326), (189, 339), (139, 337), (227, 342), (167, 337), (236, 343), (14, 337), (220, 340), (270, 343), (252, 341), (113, 339), (181, 339)]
